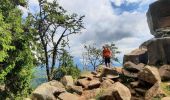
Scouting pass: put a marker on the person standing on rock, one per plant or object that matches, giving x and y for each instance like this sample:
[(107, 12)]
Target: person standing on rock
[(107, 55)]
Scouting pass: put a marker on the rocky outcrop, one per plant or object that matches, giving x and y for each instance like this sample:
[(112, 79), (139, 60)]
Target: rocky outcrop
[(67, 80), (137, 56), (164, 72), (47, 91), (150, 75), (158, 51), (158, 17), (116, 92)]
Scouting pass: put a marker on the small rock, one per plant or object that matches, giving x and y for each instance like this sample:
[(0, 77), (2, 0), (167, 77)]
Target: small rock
[(83, 82), (67, 80), (106, 83), (164, 72), (130, 74), (94, 84), (133, 67), (87, 75), (76, 89)]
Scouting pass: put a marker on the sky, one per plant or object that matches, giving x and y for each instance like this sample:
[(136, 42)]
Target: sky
[(120, 21)]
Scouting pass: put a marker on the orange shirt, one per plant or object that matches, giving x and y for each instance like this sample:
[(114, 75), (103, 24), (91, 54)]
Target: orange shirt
[(107, 53)]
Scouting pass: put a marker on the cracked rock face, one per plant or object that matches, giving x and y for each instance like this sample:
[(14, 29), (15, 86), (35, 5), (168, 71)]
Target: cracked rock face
[(158, 17)]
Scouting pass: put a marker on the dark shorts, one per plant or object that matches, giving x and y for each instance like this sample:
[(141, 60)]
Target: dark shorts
[(107, 60)]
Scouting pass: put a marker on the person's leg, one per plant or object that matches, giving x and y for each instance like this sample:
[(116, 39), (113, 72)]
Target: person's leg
[(109, 64), (105, 60)]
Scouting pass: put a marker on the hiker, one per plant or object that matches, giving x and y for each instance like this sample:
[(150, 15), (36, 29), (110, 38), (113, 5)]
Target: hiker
[(107, 55)]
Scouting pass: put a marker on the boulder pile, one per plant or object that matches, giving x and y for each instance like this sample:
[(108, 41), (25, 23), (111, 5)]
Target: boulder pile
[(104, 84), (156, 51)]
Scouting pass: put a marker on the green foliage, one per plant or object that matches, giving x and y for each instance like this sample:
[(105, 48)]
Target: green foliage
[(16, 56), (67, 66)]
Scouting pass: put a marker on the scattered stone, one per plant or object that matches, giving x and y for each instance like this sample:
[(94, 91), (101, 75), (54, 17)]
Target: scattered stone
[(116, 92), (106, 83), (108, 71), (137, 56), (133, 67), (130, 74), (150, 75), (83, 82), (67, 80), (68, 96), (87, 75), (47, 92), (76, 89), (94, 84), (164, 72)]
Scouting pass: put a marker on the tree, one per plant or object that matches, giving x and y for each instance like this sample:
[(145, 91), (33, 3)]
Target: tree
[(93, 55), (16, 56), (53, 25)]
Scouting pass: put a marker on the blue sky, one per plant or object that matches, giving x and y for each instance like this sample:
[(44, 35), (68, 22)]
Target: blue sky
[(120, 21)]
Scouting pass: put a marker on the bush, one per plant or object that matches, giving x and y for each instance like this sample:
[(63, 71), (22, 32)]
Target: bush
[(61, 71)]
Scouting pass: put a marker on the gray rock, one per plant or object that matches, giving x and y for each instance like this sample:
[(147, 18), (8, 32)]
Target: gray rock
[(137, 56), (164, 72), (158, 17), (116, 92), (47, 91), (150, 75)]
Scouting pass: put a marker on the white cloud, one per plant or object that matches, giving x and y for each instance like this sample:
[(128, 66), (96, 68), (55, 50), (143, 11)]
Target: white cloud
[(128, 30)]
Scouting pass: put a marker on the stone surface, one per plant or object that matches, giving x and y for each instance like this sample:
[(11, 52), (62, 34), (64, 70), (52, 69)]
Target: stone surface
[(134, 84), (137, 56), (87, 75), (130, 74), (133, 67), (76, 89), (116, 92), (108, 71), (150, 75), (88, 94), (158, 51), (68, 96), (94, 84), (83, 82), (164, 72), (158, 17), (46, 91), (67, 80), (106, 83), (166, 98), (153, 91)]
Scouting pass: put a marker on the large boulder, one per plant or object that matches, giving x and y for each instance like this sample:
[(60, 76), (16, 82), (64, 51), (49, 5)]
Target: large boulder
[(116, 92), (158, 17), (137, 56), (109, 73), (47, 91), (152, 92), (133, 67), (75, 89), (150, 75), (164, 72), (158, 51), (67, 80)]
